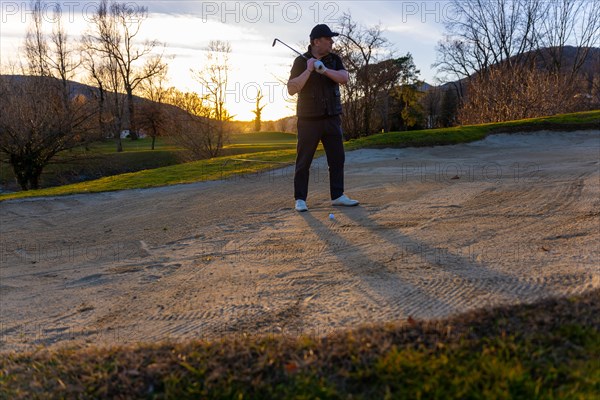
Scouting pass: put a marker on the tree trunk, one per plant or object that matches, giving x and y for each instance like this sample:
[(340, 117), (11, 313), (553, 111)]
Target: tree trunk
[(257, 124), (34, 179), (132, 128), (26, 174)]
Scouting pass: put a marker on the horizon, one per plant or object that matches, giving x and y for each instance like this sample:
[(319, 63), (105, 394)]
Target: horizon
[(186, 27)]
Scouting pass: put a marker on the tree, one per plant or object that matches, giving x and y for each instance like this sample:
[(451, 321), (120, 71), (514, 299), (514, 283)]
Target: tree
[(190, 123), (36, 44), (152, 115), (41, 114), (37, 124), (568, 21), (64, 59), (431, 103), (104, 74), (385, 76), (258, 111), (214, 78), (360, 48), (56, 56), (113, 36), (511, 52), (406, 90), (411, 112), (524, 92), (449, 107), (482, 33)]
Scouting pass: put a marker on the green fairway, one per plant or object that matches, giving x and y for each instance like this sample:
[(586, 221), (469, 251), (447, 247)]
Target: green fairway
[(263, 138), (275, 149), (100, 160), (464, 134)]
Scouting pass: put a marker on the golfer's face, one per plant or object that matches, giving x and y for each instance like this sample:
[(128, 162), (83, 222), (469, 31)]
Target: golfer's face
[(325, 45)]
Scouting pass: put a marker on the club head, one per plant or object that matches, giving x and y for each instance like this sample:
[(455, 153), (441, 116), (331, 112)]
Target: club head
[(274, 41)]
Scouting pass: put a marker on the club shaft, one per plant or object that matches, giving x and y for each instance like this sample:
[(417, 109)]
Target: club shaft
[(291, 48)]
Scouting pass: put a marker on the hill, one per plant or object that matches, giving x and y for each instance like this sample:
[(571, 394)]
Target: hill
[(81, 89), (568, 57)]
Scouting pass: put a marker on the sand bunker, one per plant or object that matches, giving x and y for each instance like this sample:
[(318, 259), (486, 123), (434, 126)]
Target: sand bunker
[(441, 230)]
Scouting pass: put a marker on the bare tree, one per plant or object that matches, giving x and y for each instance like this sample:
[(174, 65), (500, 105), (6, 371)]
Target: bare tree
[(214, 78), (37, 124), (41, 114), (55, 56), (152, 115), (524, 92), (114, 35), (482, 33), (496, 48), (36, 43), (566, 22), (103, 72), (191, 124), (64, 58), (360, 48), (258, 111)]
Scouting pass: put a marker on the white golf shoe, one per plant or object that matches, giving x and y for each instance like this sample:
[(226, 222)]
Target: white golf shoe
[(344, 200), (301, 206)]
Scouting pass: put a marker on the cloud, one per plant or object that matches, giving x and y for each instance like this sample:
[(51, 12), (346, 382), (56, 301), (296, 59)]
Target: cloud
[(191, 32), (425, 33), (186, 27)]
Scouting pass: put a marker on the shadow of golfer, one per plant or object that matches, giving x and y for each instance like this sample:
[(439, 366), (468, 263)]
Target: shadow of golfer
[(470, 281), (395, 293)]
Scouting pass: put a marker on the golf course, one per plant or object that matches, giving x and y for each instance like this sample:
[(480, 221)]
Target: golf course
[(473, 258)]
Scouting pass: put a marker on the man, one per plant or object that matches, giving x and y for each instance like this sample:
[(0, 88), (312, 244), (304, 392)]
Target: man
[(317, 79)]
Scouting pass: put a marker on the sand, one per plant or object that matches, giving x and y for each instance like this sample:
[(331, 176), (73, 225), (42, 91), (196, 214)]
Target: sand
[(443, 230)]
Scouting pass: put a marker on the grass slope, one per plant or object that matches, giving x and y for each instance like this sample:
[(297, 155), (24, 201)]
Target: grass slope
[(470, 133), (282, 153), (546, 350)]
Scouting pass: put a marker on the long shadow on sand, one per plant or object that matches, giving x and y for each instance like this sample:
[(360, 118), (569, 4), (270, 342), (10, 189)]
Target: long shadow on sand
[(461, 281), (412, 297)]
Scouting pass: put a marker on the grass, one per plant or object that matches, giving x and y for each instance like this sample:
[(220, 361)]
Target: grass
[(273, 149), (100, 159), (203, 170), (470, 133), (546, 350)]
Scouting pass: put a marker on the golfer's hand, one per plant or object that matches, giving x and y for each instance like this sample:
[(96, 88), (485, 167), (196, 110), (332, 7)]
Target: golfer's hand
[(320, 67), (310, 64)]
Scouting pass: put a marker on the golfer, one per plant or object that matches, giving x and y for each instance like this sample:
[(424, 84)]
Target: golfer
[(317, 80)]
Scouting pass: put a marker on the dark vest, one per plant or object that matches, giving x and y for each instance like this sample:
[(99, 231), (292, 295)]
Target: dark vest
[(320, 97)]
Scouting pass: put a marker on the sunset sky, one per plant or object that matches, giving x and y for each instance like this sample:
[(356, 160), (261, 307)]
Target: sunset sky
[(186, 27)]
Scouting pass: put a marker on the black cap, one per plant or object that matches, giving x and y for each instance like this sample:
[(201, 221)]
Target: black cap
[(320, 31)]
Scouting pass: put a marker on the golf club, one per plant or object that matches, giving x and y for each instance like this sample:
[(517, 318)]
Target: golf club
[(291, 48), (318, 66)]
